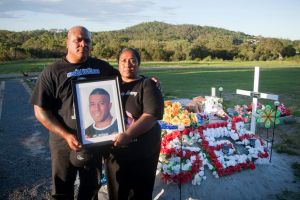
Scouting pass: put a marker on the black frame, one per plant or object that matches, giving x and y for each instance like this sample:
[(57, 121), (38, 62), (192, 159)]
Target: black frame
[(81, 91)]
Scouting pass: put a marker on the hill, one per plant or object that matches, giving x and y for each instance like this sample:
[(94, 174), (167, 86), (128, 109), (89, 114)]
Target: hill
[(155, 41)]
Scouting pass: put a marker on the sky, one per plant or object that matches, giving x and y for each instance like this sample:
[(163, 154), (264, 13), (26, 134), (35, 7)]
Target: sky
[(267, 18)]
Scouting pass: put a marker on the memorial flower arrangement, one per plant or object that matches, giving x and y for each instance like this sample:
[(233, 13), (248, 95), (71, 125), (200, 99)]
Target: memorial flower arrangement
[(283, 110), (175, 114), (181, 159), (223, 155), (223, 163), (224, 147), (240, 111)]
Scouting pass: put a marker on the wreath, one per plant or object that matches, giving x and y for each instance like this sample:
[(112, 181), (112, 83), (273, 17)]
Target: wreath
[(179, 162)]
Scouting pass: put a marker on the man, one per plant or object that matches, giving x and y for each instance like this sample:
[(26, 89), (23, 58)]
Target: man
[(53, 107), (100, 105)]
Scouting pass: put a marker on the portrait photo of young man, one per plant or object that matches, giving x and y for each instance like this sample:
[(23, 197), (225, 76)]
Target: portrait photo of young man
[(100, 110)]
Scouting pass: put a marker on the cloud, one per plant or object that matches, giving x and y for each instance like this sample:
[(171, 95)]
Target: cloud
[(90, 10)]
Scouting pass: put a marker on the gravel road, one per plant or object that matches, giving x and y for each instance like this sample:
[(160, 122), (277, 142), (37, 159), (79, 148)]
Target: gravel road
[(25, 170)]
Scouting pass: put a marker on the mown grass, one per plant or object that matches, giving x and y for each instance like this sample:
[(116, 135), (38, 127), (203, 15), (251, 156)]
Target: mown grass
[(225, 63), (189, 83), (289, 139), (277, 77), (30, 65), (36, 65)]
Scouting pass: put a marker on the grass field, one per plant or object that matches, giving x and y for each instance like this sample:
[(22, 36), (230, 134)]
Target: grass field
[(191, 79), (188, 83), (277, 77), (24, 65), (285, 82), (39, 64)]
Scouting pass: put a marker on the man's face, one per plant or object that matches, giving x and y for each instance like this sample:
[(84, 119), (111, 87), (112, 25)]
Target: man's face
[(99, 107), (78, 45)]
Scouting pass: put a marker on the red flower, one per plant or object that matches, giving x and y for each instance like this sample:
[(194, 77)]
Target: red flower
[(186, 131), (251, 165)]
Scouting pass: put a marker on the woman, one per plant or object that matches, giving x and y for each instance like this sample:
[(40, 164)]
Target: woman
[(133, 162)]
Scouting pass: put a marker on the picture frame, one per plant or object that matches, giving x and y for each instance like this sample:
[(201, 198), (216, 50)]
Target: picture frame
[(98, 110)]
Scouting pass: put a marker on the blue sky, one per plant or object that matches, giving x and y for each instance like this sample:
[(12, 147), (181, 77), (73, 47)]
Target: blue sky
[(268, 18)]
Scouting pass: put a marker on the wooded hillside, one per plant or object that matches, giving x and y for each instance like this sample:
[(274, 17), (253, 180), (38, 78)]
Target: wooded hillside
[(156, 41)]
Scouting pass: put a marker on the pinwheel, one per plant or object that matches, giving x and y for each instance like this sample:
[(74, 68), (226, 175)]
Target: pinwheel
[(268, 116)]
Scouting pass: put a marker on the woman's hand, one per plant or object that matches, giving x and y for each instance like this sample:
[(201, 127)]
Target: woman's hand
[(156, 80), (122, 140)]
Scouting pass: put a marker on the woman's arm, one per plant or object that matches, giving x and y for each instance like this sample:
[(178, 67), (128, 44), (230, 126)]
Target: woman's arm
[(50, 122), (139, 127)]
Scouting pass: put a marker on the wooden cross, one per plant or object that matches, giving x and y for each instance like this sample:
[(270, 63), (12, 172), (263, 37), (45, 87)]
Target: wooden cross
[(255, 95)]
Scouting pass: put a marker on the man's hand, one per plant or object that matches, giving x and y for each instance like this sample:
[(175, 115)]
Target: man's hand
[(72, 142), (49, 121)]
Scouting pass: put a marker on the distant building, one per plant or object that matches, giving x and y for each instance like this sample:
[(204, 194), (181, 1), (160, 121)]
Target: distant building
[(58, 30)]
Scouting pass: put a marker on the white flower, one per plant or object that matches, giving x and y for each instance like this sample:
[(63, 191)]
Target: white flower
[(233, 135), (215, 174), (176, 169), (196, 180), (174, 159), (210, 167), (262, 161), (201, 173)]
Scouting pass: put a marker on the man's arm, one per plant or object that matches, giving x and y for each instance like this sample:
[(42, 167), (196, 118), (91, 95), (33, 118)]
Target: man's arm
[(49, 121)]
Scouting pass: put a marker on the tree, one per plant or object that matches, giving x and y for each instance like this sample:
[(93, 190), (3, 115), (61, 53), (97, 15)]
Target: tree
[(198, 52), (268, 49), (288, 51)]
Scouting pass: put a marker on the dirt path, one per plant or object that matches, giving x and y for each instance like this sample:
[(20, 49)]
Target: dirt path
[(24, 156), (265, 182)]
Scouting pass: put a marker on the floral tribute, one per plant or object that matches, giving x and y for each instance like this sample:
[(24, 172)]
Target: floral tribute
[(283, 110), (175, 114), (181, 160), (224, 147), (257, 147), (225, 163), (241, 111)]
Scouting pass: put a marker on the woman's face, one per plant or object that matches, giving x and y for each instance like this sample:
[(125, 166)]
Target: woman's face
[(128, 66)]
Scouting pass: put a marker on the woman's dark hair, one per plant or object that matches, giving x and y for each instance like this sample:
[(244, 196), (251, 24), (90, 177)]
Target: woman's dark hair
[(134, 51)]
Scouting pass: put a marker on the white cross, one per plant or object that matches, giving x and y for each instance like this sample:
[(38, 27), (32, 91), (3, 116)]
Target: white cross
[(255, 94), (213, 91)]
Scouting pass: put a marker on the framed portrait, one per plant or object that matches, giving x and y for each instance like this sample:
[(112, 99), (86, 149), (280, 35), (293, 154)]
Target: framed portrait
[(98, 110)]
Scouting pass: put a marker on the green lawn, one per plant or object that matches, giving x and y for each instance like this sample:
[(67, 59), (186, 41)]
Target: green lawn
[(24, 65), (285, 82), (36, 65), (188, 83), (277, 77)]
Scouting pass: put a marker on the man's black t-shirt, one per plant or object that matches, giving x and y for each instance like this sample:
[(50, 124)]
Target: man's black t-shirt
[(53, 90), (138, 97)]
